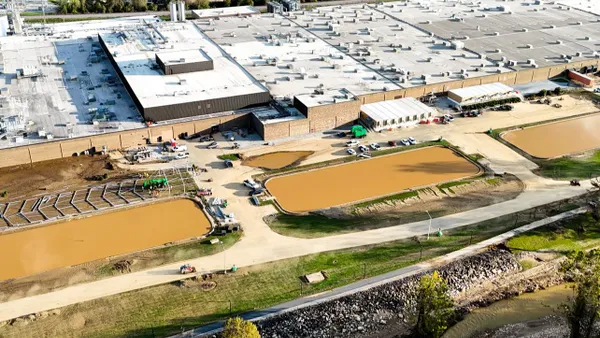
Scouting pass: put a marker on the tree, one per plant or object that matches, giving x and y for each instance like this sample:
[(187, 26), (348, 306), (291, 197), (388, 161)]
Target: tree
[(227, 3), (239, 328), (434, 306), (139, 5), (583, 308), (245, 3), (203, 4)]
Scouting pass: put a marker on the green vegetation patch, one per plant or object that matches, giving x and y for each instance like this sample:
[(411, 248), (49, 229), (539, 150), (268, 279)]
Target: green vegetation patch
[(578, 233), (231, 157), (570, 168), (397, 197)]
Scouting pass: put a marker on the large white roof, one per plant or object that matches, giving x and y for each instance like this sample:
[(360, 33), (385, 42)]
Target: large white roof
[(396, 109), (489, 89), (135, 51)]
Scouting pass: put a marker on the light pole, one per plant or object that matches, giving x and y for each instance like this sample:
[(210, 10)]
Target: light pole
[(223, 246), (428, 231)]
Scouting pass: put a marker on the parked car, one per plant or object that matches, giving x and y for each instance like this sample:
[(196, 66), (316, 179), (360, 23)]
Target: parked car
[(471, 113), (179, 156), (392, 143), (351, 151), (412, 140), (404, 142), (256, 191), (206, 138), (250, 183), (364, 155), (352, 143), (363, 148), (597, 90), (179, 148), (213, 145), (341, 134), (374, 146), (448, 117)]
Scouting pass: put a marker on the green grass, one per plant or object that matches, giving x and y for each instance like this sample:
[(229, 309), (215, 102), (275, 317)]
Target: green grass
[(164, 310), (170, 254), (494, 181), (527, 264), (560, 238), (231, 157), (397, 197), (449, 185), (571, 168), (475, 157), (317, 225)]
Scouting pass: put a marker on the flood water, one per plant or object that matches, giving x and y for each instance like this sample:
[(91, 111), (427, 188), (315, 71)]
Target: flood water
[(276, 160), (560, 138), (366, 179), (83, 240), (529, 306)]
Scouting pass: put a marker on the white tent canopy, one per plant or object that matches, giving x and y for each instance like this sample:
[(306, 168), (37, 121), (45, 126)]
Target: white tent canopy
[(482, 92), (395, 113)]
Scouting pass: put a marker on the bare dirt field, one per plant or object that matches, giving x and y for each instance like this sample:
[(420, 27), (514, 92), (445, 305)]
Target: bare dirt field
[(353, 182), (559, 138), (82, 240), (276, 160), (54, 176)]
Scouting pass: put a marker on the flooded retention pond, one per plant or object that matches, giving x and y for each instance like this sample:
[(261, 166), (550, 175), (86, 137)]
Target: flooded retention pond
[(558, 138), (367, 179), (276, 160), (528, 306), (83, 240)]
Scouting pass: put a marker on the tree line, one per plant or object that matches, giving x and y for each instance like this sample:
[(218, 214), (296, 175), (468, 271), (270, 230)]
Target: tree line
[(123, 6)]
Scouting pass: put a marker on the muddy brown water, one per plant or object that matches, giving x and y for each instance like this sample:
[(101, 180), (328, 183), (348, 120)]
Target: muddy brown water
[(86, 239), (528, 306), (559, 138), (366, 179), (276, 160)]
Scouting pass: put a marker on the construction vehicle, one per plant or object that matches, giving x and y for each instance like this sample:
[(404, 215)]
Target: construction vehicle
[(556, 105), (186, 268), (155, 183), (358, 131), (204, 192)]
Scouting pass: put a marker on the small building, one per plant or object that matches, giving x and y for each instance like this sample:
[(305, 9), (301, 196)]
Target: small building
[(395, 113), (481, 94)]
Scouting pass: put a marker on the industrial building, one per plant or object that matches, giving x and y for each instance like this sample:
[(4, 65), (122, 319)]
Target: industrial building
[(172, 71), (395, 113), (282, 74)]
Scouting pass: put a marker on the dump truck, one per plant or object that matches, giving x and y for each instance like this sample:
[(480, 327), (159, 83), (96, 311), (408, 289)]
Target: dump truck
[(154, 183)]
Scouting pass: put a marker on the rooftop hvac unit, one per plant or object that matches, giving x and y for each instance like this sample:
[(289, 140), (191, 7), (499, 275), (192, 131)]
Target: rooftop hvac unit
[(498, 50), (579, 54), (528, 46), (559, 42), (512, 63)]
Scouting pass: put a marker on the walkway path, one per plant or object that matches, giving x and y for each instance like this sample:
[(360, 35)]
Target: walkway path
[(389, 277)]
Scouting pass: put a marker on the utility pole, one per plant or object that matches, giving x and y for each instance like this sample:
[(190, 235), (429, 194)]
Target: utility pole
[(428, 231)]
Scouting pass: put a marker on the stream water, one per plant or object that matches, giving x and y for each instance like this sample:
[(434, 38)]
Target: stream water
[(523, 308)]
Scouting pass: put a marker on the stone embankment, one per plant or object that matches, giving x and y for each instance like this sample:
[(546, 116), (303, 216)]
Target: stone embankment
[(385, 307)]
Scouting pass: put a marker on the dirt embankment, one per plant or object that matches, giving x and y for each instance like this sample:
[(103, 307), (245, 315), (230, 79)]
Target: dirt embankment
[(476, 194), (54, 176)]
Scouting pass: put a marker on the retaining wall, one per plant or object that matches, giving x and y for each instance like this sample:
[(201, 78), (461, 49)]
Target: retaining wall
[(68, 147)]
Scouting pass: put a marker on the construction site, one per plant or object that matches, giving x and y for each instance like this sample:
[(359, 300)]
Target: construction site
[(145, 154)]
